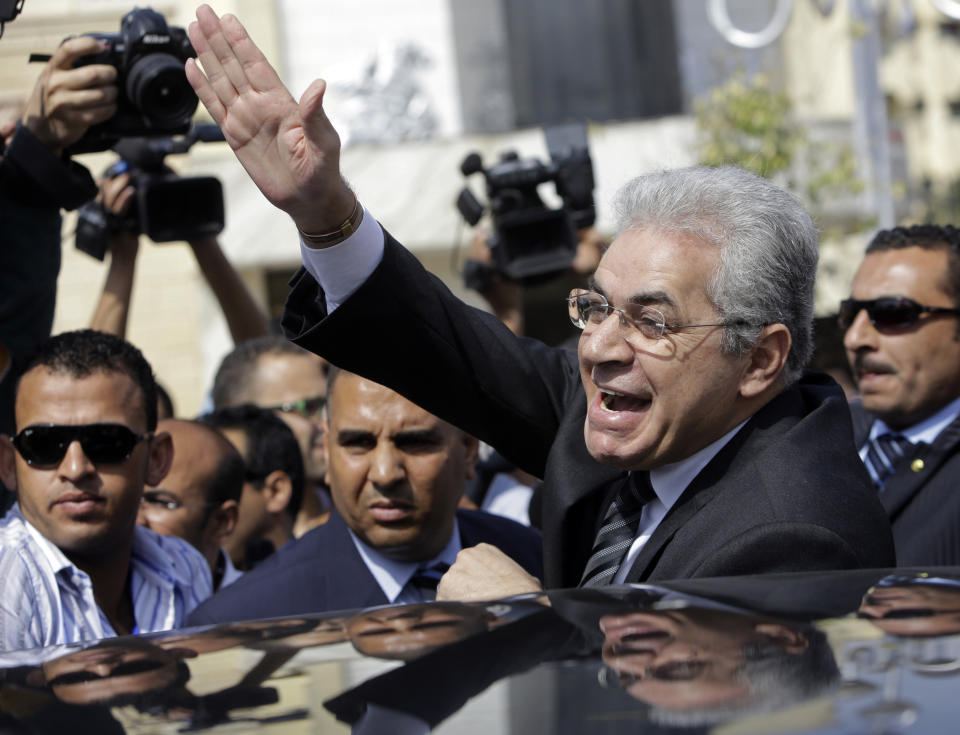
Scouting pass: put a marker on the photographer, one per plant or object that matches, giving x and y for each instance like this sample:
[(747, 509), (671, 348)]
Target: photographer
[(499, 487), (244, 316), (36, 181)]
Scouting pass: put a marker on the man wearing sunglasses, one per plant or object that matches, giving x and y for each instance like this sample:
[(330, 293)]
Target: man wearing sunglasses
[(74, 565), (902, 338), (682, 441), (275, 374)]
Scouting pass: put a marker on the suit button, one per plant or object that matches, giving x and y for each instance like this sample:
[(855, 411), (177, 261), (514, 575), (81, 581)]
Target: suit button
[(916, 465)]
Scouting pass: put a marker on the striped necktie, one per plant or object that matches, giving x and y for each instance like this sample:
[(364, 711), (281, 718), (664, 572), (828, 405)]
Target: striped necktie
[(618, 530), (884, 453), (426, 579)]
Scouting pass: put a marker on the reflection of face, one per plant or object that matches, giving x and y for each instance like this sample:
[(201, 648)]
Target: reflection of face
[(84, 509), (327, 632), (108, 670), (396, 472), (905, 375), (283, 378), (413, 630), (917, 609), (197, 454), (681, 659), (674, 395)]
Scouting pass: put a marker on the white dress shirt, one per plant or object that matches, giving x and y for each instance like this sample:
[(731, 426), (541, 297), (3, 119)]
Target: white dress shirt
[(46, 600), (392, 575), (668, 483), (926, 431)]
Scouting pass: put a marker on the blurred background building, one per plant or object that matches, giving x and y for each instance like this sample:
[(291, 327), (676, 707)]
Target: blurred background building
[(850, 103)]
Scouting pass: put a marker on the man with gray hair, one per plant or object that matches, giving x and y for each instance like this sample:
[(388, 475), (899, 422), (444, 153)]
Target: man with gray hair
[(683, 442)]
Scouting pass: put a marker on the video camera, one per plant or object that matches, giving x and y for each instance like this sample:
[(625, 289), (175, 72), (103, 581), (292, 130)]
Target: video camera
[(155, 97), (167, 207), (532, 243), (9, 10)]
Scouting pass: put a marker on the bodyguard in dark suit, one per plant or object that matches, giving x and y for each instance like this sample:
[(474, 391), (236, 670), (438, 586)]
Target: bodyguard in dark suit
[(682, 442), (396, 474), (903, 343)]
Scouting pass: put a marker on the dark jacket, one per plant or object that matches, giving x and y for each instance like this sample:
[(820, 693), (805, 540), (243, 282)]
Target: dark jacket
[(788, 493), (922, 499), (322, 571)]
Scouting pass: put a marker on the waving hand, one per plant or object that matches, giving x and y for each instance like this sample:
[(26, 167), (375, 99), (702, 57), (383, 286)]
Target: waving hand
[(289, 149)]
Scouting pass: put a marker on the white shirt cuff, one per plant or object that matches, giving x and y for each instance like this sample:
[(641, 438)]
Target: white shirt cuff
[(342, 268)]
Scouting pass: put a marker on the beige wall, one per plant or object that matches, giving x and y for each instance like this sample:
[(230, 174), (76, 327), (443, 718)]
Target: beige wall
[(174, 318)]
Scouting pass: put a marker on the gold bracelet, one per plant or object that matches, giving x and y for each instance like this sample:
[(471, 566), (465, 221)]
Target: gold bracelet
[(347, 228)]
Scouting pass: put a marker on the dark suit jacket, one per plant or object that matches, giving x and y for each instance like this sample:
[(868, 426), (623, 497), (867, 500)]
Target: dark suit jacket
[(322, 571), (788, 493), (924, 504)]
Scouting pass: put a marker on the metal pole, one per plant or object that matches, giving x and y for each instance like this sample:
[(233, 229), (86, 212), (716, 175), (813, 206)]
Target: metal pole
[(871, 132)]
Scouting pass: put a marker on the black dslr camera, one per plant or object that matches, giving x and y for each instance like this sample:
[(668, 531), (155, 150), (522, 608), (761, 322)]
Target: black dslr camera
[(155, 97), (532, 243), (167, 207)]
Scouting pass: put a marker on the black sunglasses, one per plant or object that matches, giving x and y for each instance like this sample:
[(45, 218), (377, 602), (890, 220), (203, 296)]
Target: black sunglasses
[(888, 312), (102, 443)]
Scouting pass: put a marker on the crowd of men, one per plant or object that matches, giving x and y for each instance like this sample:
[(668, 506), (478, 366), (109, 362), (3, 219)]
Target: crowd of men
[(682, 439)]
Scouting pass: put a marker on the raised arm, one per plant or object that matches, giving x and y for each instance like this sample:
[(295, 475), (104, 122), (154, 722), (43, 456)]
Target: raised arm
[(289, 149), (113, 308), (244, 316)]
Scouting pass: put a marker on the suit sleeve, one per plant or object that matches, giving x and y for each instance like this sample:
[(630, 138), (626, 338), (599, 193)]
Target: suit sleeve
[(403, 328), (771, 548)]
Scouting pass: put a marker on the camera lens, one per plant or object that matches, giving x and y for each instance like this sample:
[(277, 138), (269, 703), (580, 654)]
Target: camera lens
[(158, 87)]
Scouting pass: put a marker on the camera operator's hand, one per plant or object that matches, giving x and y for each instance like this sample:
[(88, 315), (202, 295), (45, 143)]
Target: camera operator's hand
[(290, 150), (66, 101)]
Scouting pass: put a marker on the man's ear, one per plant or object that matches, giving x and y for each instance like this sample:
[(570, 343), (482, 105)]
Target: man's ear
[(785, 637), (325, 425), (161, 457), (471, 447), (277, 489), (767, 360), (223, 520), (8, 462)]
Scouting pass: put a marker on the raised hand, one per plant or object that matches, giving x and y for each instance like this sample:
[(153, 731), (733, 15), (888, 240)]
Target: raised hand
[(290, 150), (66, 101)]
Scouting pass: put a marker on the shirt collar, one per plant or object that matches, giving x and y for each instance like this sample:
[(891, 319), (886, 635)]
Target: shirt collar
[(670, 480), (925, 431), (55, 558), (392, 575)]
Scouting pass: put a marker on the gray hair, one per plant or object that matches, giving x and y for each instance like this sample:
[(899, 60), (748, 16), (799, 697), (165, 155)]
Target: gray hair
[(774, 678), (768, 248)]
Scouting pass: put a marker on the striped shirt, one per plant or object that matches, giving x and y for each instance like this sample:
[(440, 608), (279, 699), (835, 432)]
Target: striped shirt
[(46, 600)]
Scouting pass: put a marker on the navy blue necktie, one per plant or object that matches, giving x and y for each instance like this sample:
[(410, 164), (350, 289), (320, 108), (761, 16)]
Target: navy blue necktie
[(884, 453), (426, 579)]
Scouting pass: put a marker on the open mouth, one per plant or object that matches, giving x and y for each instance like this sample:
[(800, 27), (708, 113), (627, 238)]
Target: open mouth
[(616, 402)]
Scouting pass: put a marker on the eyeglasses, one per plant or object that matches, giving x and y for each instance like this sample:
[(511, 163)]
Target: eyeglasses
[(101, 443), (589, 309), (306, 407), (163, 500), (887, 312)]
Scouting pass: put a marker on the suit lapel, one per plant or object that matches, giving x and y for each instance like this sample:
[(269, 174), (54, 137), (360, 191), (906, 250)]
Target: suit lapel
[(580, 487), (906, 481), (352, 585), (722, 469)]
